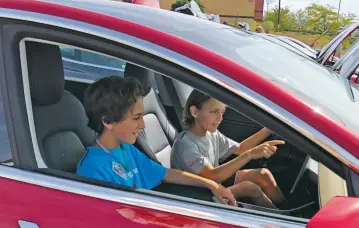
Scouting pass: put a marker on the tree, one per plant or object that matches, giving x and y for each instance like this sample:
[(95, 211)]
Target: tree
[(315, 17), (321, 18), (180, 3), (301, 18), (287, 18), (268, 26), (347, 19)]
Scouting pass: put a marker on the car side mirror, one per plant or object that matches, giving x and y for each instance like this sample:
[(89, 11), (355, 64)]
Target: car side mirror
[(338, 212)]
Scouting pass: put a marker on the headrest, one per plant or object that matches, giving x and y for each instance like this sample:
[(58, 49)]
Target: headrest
[(144, 76), (46, 74)]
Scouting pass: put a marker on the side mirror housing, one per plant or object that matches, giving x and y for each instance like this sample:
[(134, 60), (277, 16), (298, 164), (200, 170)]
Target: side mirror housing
[(338, 212)]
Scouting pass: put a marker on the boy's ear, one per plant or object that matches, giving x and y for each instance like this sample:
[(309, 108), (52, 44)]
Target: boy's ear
[(193, 110), (106, 125)]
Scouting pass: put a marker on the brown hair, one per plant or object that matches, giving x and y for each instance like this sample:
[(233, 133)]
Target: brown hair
[(197, 99)]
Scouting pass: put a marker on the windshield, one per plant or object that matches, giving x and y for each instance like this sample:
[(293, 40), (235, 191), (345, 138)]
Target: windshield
[(347, 59), (290, 46), (336, 41), (305, 78), (310, 52)]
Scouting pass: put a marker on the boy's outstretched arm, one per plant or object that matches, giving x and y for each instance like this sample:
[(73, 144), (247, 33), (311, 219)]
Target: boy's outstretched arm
[(179, 177)]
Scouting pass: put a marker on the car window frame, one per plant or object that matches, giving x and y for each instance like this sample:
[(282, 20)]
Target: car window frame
[(189, 79), (153, 193)]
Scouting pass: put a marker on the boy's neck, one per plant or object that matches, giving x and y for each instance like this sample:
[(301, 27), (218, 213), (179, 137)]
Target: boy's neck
[(108, 141), (197, 130)]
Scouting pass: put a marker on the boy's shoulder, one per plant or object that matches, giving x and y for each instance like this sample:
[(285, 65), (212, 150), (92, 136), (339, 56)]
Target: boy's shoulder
[(185, 139), (95, 155)]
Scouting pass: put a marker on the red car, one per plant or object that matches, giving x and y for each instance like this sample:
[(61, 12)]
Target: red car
[(44, 129)]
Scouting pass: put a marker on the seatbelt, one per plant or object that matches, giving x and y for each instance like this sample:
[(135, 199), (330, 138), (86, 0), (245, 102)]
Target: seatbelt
[(174, 97), (142, 141)]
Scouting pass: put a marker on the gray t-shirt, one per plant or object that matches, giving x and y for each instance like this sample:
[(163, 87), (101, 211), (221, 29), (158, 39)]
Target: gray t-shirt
[(192, 153)]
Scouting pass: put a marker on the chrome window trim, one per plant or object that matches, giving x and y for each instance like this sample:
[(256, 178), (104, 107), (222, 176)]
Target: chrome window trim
[(27, 95), (142, 199)]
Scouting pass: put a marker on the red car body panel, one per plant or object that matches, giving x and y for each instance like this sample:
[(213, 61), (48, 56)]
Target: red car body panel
[(339, 212), (337, 132), (57, 209)]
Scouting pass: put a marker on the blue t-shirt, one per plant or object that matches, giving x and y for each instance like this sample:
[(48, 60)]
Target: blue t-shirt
[(100, 165)]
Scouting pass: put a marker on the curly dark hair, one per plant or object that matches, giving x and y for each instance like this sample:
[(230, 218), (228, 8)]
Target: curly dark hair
[(110, 99)]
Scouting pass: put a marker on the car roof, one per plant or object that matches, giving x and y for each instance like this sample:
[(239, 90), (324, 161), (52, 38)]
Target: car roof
[(195, 38)]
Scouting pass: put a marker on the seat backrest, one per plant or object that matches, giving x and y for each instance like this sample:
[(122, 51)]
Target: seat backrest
[(59, 117), (173, 94), (158, 136)]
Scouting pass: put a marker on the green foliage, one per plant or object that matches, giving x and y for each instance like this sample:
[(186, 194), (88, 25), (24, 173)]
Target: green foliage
[(287, 18), (180, 3), (322, 18), (314, 18), (268, 26)]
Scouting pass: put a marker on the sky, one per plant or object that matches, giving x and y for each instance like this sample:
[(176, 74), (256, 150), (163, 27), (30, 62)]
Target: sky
[(347, 6)]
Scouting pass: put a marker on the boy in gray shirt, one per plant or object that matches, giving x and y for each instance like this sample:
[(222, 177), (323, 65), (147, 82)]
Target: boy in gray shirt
[(200, 148), (193, 153)]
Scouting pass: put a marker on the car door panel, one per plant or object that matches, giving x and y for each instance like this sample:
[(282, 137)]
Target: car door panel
[(48, 207)]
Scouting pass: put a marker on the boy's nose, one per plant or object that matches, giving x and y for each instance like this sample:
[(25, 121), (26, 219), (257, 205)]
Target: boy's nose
[(142, 124), (220, 117)]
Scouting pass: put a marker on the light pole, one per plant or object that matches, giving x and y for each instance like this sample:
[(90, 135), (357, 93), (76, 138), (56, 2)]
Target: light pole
[(340, 2), (279, 14)]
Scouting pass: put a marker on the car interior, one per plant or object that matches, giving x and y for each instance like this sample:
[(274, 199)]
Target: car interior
[(62, 143)]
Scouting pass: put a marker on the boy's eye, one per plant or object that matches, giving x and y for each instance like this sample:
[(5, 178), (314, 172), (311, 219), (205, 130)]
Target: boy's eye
[(136, 118)]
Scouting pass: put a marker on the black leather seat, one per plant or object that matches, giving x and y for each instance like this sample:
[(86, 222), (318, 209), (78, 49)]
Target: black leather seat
[(59, 117), (173, 94), (158, 136)]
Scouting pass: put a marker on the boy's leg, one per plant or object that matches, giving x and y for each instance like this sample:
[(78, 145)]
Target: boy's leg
[(264, 179), (247, 189)]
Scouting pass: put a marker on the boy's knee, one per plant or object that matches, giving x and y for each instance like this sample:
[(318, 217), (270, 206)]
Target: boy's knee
[(267, 176), (252, 189)]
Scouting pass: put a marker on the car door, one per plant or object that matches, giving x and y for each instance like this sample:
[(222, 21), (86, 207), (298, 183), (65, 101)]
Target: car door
[(347, 62), (43, 197), (325, 56)]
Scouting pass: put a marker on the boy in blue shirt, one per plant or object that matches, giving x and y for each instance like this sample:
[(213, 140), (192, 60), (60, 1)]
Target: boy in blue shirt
[(115, 110)]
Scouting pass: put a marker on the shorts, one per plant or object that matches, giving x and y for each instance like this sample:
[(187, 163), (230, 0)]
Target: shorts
[(229, 182)]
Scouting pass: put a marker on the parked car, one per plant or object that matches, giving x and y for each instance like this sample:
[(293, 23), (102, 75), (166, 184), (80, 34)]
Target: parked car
[(347, 66), (263, 84), (326, 55)]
